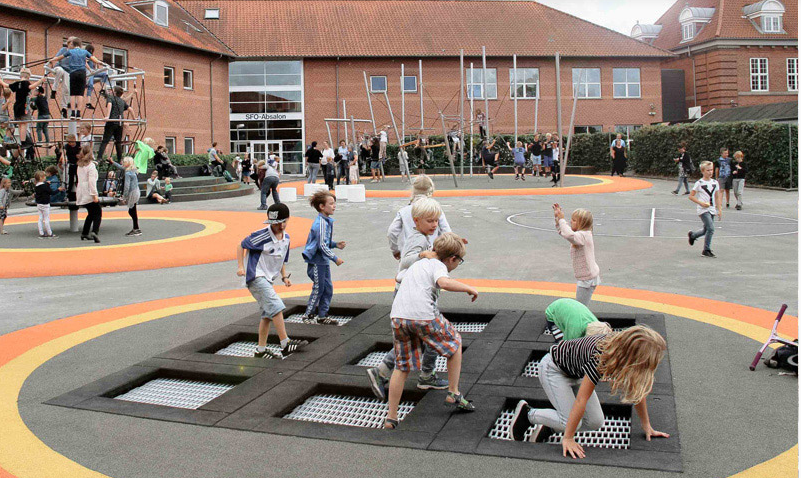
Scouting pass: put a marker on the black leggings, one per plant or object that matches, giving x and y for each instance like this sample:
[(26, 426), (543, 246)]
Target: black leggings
[(95, 214), (134, 216)]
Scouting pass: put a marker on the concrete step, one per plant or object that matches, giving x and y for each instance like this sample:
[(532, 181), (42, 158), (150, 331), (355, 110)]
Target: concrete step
[(240, 190), (189, 182), (176, 190)]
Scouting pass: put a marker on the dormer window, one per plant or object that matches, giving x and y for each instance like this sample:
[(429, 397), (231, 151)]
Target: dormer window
[(109, 5), (156, 10), (211, 14), (766, 16), (646, 33), (692, 20)]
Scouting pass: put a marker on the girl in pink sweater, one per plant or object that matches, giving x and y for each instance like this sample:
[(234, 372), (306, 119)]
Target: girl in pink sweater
[(582, 250)]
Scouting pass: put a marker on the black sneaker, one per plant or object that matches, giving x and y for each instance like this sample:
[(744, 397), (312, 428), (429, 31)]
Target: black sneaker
[(727, 205), (675, 193), (132, 232), (691, 238), (137, 232), (266, 353), (53, 94), (326, 321), (520, 421), (523, 177), (377, 383), (708, 254), (492, 176), (688, 192), (309, 319), (52, 236), (540, 434), (293, 346), (738, 207)]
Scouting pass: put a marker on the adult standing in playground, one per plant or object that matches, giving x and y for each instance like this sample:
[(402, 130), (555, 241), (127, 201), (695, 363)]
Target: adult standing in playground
[(344, 161), (375, 159), (130, 191), (619, 156), (76, 65), (327, 165), (116, 107), (313, 157), (86, 194)]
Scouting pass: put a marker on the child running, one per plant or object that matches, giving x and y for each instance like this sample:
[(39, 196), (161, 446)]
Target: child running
[(582, 250), (626, 359), (569, 319), (426, 213), (268, 252), (416, 320), (738, 172), (317, 255), (41, 192), (706, 194)]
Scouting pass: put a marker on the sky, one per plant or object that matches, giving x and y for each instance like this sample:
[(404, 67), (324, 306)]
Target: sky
[(619, 15)]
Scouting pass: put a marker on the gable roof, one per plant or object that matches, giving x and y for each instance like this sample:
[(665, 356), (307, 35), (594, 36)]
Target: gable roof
[(129, 21), (392, 28), (727, 23)]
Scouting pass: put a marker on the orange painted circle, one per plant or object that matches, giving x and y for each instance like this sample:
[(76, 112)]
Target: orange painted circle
[(229, 228), (606, 184)]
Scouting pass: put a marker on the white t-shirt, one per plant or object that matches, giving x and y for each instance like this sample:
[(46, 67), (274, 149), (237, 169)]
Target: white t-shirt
[(418, 293), (328, 156), (383, 137), (705, 192)]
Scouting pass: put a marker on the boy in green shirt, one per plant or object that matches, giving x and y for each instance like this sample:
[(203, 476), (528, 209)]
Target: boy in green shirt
[(569, 319)]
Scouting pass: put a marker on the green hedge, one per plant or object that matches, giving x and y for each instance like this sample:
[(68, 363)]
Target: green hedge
[(770, 149)]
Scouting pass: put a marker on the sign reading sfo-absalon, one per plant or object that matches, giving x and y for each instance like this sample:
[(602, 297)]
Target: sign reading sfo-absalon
[(266, 116)]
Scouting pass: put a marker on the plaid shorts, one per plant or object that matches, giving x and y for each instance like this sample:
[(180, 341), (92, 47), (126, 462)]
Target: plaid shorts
[(410, 335)]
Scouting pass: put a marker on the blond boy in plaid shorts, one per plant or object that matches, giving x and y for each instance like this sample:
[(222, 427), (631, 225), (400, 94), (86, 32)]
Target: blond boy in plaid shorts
[(416, 320)]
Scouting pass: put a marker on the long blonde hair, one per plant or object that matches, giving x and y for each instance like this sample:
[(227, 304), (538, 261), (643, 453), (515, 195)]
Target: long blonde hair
[(583, 219), (628, 361), (128, 163), (87, 155)]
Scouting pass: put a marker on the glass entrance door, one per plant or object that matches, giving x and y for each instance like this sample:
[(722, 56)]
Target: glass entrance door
[(261, 150)]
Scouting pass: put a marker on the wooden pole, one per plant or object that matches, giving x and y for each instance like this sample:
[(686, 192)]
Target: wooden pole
[(472, 117), (484, 80), (329, 133), (448, 149), (461, 112), (369, 101), (514, 68), (536, 112), (563, 163), (559, 101), (420, 74), (403, 105), (344, 115)]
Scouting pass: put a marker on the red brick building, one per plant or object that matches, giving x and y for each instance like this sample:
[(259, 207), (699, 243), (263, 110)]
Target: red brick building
[(187, 115), (732, 52)]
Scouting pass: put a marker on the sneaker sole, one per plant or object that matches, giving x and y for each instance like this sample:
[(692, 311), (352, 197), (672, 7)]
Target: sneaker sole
[(378, 391), (521, 405), (424, 386)]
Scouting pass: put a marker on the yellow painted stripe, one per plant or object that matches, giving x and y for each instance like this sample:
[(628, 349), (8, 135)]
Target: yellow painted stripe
[(25, 456), (209, 228)]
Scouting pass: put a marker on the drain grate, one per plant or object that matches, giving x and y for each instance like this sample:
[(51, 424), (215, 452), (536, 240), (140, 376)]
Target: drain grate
[(348, 410), (532, 369), (177, 393), (296, 319), (615, 433), (373, 359), (246, 349), (470, 326)]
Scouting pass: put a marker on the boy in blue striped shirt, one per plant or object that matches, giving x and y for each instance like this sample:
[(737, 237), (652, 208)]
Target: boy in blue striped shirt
[(317, 254), (267, 254)]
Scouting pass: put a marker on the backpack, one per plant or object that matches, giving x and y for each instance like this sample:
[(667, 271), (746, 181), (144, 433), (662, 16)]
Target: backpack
[(785, 357), (204, 170), (228, 176)]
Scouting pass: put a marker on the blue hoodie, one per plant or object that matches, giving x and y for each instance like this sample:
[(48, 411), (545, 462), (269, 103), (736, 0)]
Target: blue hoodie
[(319, 243)]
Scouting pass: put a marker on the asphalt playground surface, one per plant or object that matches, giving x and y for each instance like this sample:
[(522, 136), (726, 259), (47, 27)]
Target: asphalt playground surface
[(729, 419)]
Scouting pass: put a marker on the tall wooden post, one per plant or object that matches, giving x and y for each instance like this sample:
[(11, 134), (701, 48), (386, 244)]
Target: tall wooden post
[(369, 101)]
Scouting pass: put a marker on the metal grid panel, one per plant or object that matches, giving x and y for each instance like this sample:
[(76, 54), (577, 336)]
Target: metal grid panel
[(296, 319), (532, 369), (373, 359), (614, 434), (367, 412), (246, 349), (177, 393), (470, 326), (618, 329)]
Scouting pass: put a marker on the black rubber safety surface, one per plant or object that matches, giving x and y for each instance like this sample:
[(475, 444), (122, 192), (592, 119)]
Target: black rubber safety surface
[(325, 378)]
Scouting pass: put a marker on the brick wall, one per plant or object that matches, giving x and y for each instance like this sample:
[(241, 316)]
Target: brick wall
[(441, 92), (172, 112)]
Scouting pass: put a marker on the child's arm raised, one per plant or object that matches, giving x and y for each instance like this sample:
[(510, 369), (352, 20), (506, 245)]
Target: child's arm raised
[(452, 285), (642, 412), (569, 444)]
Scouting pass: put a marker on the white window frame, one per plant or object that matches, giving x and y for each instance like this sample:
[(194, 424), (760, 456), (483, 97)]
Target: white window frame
[(627, 83), (82, 3), (688, 31), (792, 74), (577, 84), (190, 140), (480, 83), (536, 84), (7, 54), (172, 84), (113, 52), (759, 75), (167, 140), (403, 82), (165, 22), (211, 14), (191, 79), (771, 23), (108, 4), (373, 88)]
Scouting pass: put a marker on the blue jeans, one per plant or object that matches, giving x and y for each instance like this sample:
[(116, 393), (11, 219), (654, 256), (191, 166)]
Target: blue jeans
[(683, 180), (709, 230), (90, 84), (322, 289), (314, 168), (41, 129), (429, 360), (270, 183)]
